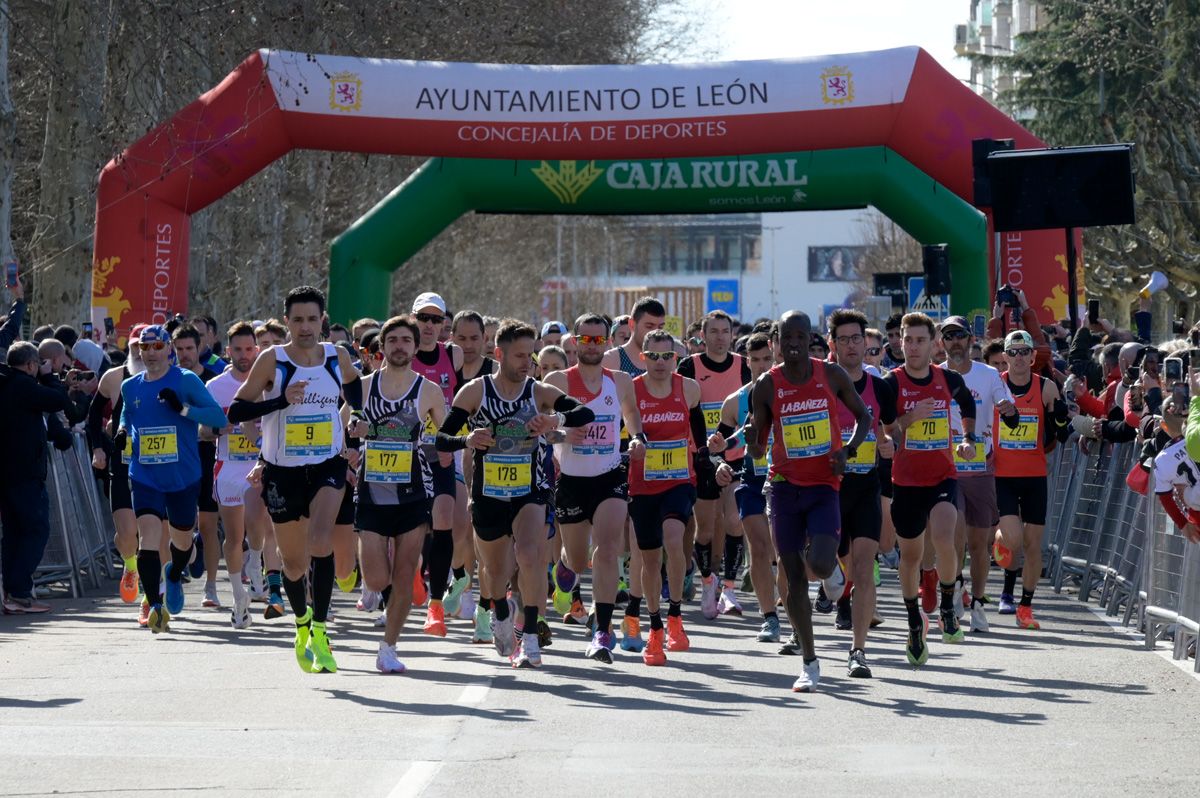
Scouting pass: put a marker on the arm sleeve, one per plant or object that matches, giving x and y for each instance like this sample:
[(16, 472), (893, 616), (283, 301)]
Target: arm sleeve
[(12, 325), (95, 423), (447, 441), (574, 413), (246, 410), (354, 392), (202, 408), (886, 393), (699, 429), (687, 367), (746, 375)]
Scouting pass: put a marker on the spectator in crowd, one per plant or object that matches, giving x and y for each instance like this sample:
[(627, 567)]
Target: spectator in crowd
[(42, 333), (893, 355), (10, 329), (1176, 475), (28, 389), (1002, 323)]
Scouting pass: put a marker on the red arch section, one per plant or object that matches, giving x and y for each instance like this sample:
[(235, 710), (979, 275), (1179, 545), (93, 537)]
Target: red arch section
[(278, 101)]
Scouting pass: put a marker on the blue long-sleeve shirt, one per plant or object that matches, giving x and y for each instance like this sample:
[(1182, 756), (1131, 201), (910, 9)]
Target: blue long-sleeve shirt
[(165, 451)]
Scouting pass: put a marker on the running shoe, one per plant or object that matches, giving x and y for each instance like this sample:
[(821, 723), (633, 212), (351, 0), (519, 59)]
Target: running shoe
[(1007, 607), (386, 660), (304, 654), (856, 666), (454, 595), (174, 591), (876, 620), (677, 639), (960, 604), (129, 586), (159, 619), (916, 649), (196, 563), (435, 620), (562, 603), (577, 615), (544, 635), (1025, 619), (466, 606), (747, 583), (144, 613), (483, 626), (891, 559), (875, 573), (274, 608), (653, 653), (600, 648), (420, 592), (822, 605), (210, 596), (809, 678), (929, 591), (258, 596), (835, 583), (504, 636), (769, 633), (380, 621), (254, 569), (631, 636), (239, 617), (843, 620), (564, 578), (728, 604), (979, 621), (1002, 554), (322, 655), (792, 647), (528, 654), (368, 601), (951, 631), (347, 584), (709, 590)]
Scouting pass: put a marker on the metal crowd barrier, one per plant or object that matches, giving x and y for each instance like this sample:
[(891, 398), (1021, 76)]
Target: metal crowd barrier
[(81, 532)]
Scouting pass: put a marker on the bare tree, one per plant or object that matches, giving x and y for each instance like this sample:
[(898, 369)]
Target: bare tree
[(8, 143)]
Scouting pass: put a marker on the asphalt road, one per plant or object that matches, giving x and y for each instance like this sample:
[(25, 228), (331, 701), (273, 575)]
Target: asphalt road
[(92, 705)]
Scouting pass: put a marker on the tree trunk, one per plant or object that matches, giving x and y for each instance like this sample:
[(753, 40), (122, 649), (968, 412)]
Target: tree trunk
[(70, 162), (8, 143)]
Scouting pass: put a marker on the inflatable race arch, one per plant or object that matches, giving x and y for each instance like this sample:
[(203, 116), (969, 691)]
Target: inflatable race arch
[(825, 113)]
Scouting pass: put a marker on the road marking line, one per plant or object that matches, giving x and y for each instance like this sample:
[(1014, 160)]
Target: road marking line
[(414, 781), (473, 694)]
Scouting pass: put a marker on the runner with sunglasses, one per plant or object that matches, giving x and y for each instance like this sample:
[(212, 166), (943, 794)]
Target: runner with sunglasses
[(1021, 449), (977, 511), (508, 413), (592, 493), (163, 408), (662, 485)]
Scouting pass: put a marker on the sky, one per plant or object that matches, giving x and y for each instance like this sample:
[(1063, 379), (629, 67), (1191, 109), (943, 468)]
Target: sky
[(758, 29)]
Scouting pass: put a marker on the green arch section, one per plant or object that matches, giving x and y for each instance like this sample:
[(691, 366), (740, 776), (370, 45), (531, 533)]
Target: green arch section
[(363, 258)]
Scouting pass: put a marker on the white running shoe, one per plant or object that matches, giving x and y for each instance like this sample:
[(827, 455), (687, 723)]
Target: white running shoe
[(386, 660), (835, 584), (979, 621), (381, 621), (466, 607), (504, 636), (528, 654), (210, 595), (960, 609), (253, 568), (369, 601), (809, 677), (728, 604), (240, 617), (708, 596)]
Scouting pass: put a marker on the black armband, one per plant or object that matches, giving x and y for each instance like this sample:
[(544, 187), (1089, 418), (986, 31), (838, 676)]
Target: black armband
[(446, 440), (574, 413), (245, 410)]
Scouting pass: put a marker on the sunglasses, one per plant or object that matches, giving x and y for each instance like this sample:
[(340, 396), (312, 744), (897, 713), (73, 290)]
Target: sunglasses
[(157, 346), (1022, 352), (659, 355), (957, 335), (874, 350), (430, 318), (591, 339)]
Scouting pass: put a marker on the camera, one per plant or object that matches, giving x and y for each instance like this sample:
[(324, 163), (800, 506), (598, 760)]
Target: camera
[(1006, 296)]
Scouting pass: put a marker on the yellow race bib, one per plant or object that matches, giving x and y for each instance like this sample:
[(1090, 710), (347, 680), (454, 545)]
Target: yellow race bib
[(389, 462), (507, 476), (304, 436), (712, 416), (865, 461), (929, 434), (976, 465), (806, 434), (241, 447), (666, 460), (1022, 438), (158, 445)]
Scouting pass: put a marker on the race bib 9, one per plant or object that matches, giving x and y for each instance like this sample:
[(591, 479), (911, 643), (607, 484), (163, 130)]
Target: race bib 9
[(507, 476), (666, 460), (304, 436), (158, 445), (929, 434), (807, 434), (389, 462)]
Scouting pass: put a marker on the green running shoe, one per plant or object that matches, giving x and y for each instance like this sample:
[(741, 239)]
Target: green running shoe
[(304, 655), (483, 626), (453, 598), (322, 656)]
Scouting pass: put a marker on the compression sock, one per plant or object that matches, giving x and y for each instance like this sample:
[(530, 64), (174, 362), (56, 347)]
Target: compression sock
[(704, 559), (322, 586), (441, 552), (634, 607), (149, 563), (500, 607), (179, 561), (914, 613), (1010, 581), (947, 596), (733, 557), (604, 613), (297, 595)]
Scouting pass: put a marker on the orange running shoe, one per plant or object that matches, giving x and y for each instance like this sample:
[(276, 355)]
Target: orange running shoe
[(1025, 619), (631, 635), (129, 587), (677, 639), (653, 653), (144, 613), (420, 593), (435, 620), (1002, 555)]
